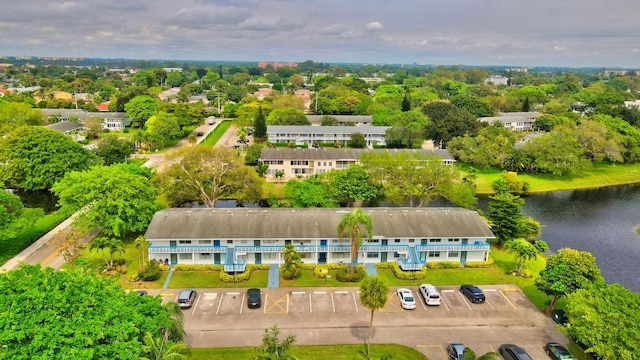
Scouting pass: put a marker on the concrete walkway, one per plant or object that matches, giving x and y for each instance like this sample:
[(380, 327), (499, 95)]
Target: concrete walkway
[(166, 281), (371, 269), (274, 276)]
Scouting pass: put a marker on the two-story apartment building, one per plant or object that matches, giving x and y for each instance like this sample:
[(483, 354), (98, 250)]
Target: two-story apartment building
[(343, 120), (236, 237), (296, 162), (300, 135), (515, 121), (110, 120)]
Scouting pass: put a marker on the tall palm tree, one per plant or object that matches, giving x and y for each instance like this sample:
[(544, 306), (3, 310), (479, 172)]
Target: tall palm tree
[(373, 295), (100, 244), (175, 330), (160, 349), (141, 245), (242, 134), (350, 226), (115, 246)]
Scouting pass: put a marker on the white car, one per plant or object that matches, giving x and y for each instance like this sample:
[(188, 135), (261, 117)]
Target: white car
[(430, 294), (407, 301)]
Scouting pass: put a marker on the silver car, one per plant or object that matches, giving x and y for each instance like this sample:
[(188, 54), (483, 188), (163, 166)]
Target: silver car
[(186, 298)]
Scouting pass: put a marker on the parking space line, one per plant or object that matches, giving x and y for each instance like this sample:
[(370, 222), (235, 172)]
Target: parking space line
[(242, 304), (284, 310), (233, 293), (487, 301), (509, 301), (355, 302), (394, 305), (464, 299), (445, 303), (167, 294), (219, 303), (319, 292), (333, 305), (435, 346), (297, 293), (310, 304), (422, 303), (195, 305), (341, 292)]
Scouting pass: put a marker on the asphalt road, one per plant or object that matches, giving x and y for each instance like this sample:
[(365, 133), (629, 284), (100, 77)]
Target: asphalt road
[(220, 318)]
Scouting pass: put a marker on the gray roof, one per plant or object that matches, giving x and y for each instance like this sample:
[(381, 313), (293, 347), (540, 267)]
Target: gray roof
[(339, 154), (298, 224), (301, 129), (65, 126), (83, 114)]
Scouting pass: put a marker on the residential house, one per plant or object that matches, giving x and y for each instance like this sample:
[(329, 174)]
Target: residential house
[(515, 121), (305, 95), (111, 120), (299, 135), (262, 93), (497, 80), (635, 104), (236, 237), (66, 127), (296, 162)]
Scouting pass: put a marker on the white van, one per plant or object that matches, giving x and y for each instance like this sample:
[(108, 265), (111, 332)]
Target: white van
[(211, 120), (430, 294)]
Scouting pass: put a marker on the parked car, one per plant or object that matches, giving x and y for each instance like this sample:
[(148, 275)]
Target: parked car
[(430, 294), (200, 133), (559, 316), (141, 292), (455, 350), (186, 298), (513, 352), (558, 352), (473, 293), (253, 298), (407, 301)]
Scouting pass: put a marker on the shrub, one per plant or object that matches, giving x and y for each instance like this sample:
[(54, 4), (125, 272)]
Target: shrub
[(343, 275), (444, 265), (408, 275), (320, 271), (198, 267), (479, 264), (237, 277), (151, 272), (125, 130)]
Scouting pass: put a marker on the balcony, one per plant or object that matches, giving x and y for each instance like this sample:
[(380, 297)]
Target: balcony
[(457, 247), (408, 265), (234, 268), (186, 250)]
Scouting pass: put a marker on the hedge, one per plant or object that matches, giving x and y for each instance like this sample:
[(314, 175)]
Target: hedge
[(198, 267), (479, 264), (444, 265), (243, 276)]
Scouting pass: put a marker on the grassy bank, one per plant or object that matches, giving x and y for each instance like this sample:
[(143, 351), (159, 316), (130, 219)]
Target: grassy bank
[(218, 132), (599, 176)]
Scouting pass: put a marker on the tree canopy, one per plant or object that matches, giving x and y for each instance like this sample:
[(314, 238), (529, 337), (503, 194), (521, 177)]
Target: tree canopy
[(116, 199), (35, 158), (73, 314)]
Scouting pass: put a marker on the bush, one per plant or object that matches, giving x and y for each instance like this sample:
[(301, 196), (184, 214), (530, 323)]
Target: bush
[(151, 272), (198, 267), (125, 130), (444, 265), (343, 275), (408, 275), (479, 264), (320, 271), (237, 277)]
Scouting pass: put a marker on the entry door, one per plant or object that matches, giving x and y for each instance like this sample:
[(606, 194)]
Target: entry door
[(258, 258), (216, 258), (216, 242), (383, 257), (463, 257), (385, 242), (322, 258), (174, 259)]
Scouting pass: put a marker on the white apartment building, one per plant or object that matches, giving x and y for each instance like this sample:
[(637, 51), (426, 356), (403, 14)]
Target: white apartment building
[(300, 135)]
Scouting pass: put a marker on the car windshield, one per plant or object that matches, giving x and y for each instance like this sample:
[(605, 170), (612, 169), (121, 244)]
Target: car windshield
[(408, 298), (434, 296)]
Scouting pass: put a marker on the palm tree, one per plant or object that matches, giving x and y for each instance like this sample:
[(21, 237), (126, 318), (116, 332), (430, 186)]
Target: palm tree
[(115, 246), (160, 349), (141, 244), (100, 244), (175, 330), (350, 226), (291, 266), (469, 354), (242, 134), (373, 296), (273, 347)]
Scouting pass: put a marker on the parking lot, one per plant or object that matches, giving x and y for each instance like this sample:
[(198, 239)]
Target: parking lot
[(335, 315)]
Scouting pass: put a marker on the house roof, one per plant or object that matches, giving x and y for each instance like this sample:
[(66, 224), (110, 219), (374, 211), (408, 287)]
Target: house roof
[(356, 119), (301, 129), (65, 126), (287, 223), (340, 154)]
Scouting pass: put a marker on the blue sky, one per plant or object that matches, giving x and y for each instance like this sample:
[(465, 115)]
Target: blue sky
[(442, 32)]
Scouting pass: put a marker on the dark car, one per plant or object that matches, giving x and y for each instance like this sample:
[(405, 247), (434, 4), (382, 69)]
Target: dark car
[(200, 133), (455, 350), (253, 298), (513, 352), (560, 317), (473, 293), (558, 352), (186, 298), (141, 292)]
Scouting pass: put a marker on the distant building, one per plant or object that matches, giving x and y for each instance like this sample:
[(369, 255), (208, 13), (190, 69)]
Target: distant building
[(295, 162), (515, 121), (111, 120), (497, 80), (299, 135), (263, 93), (356, 120), (635, 104), (305, 95)]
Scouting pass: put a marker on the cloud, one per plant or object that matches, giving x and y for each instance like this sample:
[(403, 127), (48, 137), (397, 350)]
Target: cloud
[(374, 26)]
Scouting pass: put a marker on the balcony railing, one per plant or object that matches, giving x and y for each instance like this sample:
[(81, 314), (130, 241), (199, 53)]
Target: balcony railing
[(456, 247), (239, 267), (185, 250)]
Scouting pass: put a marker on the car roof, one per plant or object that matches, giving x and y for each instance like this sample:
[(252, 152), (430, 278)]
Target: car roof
[(458, 346)]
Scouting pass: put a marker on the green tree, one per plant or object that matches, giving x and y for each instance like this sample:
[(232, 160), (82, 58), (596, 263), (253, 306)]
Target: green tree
[(30, 163), (208, 174), (74, 314), (273, 348), (14, 114), (358, 141), (107, 245), (94, 127), (242, 134), (308, 193), (164, 126), (505, 214), (156, 348), (448, 121), (351, 226), (13, 215), (260, 125), (522, 251), (525, 105), (352, 184), (373, 296), (116, 199), (112, 150), (406, 101), (235, 93), (566, 272), (415, 176), (557, 152), (328, 120), (469, 354), (605, 320), (141, 108), (254, 151), (141, 244), (478, 107), (292, 260), (287, 116)]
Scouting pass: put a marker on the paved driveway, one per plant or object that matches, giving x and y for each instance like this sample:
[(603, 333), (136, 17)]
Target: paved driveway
[(220, 318)]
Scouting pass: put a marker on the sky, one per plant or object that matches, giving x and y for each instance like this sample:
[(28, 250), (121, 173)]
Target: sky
[(573, 33)]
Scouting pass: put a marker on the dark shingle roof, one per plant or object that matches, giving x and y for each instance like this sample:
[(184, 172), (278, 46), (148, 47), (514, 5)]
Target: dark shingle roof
[(65, 126), (272, 223)]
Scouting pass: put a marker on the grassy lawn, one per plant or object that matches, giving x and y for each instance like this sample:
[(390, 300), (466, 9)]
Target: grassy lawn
[(213, 137), (333, 352), (600, 175), (211, 279)]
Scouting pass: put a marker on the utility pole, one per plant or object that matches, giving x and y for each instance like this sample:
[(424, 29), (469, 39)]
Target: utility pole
[(218, 103)]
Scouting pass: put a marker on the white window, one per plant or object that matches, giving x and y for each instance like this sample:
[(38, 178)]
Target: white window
[(340, 255), (435, 240), (453, 240), (205, 256), (268, 241), (434, 254), (186, 256), (396, 240), (269, 256), (184, 242), (372, 255), (204, 241), (453, 254), (229, 241)]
